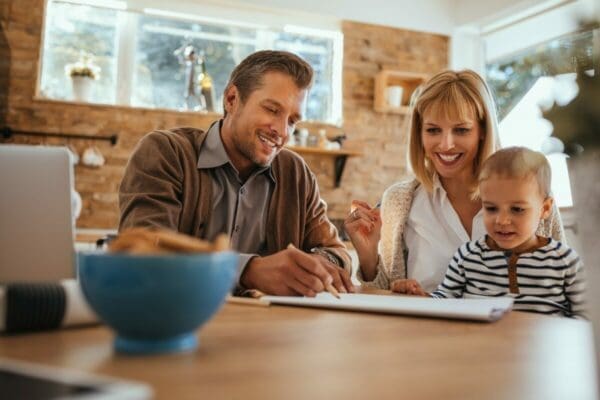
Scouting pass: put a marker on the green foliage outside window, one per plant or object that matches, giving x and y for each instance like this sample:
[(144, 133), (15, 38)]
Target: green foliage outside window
[(511, 77)]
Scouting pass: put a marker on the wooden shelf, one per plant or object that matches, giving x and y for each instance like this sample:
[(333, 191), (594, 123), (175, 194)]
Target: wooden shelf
[(324, 152), (409, 81), (393, 110), (339, 158)]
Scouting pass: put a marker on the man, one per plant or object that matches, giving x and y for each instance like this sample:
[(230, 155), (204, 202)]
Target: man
[(237, 178)]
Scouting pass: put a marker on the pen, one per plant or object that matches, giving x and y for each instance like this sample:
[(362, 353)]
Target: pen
[(247, 301), (328, 286), (332, 290), (375, 207)]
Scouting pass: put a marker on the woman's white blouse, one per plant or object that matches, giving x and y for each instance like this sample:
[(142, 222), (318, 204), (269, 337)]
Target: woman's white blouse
[(432, 235)]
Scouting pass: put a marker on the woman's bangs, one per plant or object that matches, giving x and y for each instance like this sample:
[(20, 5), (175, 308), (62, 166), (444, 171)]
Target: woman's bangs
[(451, 105)]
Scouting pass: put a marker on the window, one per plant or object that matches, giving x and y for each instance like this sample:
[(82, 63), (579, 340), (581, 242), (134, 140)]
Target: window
[(513, 76), (535, 78), (71, 31), (319, 53), (135, 51), (159, 78)]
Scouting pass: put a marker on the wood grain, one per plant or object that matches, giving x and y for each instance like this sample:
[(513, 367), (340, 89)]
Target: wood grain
[(295, 353)]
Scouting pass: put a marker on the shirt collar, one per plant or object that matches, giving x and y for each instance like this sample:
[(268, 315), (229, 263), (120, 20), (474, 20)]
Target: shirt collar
[(214, 155), (440, 196), (439, 193), (483, 243)]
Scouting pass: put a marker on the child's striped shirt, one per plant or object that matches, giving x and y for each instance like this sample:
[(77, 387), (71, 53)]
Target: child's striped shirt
[(550, 278)]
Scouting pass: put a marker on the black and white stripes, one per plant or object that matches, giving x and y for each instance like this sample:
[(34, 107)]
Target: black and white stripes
[(550, 279)]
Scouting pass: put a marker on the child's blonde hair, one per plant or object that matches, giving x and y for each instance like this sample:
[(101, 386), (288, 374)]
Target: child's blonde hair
[(453, 95), (518, 162)]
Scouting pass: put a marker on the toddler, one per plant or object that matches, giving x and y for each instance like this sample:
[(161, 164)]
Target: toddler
[(541, 274)]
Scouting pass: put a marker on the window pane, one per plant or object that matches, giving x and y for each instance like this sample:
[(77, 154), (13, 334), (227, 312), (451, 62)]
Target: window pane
[(533, 79), (318, 52), (136, 51), (71, 30), (159, 78), (511, 77)]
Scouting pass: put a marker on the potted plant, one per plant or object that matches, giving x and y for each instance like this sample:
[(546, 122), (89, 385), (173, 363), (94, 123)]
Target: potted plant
[(82, 73)]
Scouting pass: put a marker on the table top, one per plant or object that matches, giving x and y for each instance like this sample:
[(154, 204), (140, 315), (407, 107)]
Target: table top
[(281, 352)]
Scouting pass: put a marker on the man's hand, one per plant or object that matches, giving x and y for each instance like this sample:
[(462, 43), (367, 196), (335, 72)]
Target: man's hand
[(292, 272), (408, 286)]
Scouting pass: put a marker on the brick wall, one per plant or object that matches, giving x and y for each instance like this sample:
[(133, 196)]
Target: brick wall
[(367, 48), (382, 137)]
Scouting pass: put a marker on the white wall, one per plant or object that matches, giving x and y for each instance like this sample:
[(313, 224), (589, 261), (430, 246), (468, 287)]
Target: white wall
[(465, 21), (557, 21), (466, 49), (487, 30), (242, 11), (468, 12), (435, 16), (471, 17)]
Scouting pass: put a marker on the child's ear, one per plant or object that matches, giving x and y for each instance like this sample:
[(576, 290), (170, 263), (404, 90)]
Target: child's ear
[(547, 207)]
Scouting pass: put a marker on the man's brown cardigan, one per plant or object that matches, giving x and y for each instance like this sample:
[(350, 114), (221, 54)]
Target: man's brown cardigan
[(163, 187)]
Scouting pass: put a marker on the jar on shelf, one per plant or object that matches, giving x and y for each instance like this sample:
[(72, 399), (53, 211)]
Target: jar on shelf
[(303, 137), (323, 142)]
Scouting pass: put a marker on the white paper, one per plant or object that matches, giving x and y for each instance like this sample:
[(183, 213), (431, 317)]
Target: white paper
[(487, 309)]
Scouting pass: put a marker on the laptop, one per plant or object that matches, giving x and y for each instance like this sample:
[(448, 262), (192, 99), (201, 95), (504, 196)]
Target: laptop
[(36, 226)]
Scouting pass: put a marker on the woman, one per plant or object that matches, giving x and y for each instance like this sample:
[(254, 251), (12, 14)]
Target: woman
[(453, 129)]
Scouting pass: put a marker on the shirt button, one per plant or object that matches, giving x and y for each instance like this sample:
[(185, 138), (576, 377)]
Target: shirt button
[(242, 191), (237, 228)]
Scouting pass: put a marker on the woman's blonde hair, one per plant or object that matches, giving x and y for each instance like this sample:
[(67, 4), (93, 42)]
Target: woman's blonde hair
[(452, 95)]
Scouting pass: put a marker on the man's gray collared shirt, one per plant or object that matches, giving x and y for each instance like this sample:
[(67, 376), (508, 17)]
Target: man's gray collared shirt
[(239, 208)]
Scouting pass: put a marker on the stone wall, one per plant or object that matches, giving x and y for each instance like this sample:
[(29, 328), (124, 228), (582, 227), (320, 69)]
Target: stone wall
[(367, 48)]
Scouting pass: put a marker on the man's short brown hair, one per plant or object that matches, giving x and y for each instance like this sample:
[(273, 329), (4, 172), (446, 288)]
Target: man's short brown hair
[(248, 75)]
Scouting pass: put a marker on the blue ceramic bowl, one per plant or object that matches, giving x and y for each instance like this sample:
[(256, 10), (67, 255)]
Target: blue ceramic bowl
[(156, 303)]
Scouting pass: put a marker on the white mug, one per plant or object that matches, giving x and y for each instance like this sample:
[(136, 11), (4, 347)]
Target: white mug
[(92, 157), (394, 95)]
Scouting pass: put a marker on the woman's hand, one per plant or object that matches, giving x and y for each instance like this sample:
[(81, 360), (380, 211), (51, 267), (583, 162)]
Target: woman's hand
[(363, 225), (408, 286)]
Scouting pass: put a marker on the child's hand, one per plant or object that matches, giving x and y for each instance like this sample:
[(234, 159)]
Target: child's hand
[(408, 286)]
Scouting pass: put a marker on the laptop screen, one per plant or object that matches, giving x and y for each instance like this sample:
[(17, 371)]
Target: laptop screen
[(36, 227)]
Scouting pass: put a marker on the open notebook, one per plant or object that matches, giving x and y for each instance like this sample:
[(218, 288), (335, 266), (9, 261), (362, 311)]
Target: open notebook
[(488, 309)]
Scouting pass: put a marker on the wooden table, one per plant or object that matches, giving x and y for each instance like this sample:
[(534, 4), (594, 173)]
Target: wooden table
[(249, 352)]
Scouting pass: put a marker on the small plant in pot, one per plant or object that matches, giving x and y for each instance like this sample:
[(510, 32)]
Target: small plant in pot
[(82, 73)]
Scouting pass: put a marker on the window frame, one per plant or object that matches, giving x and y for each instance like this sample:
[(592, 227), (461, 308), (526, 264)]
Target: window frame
[(268, 26), (513, 36)]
